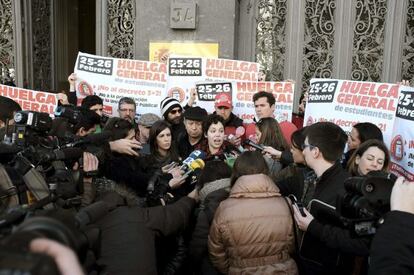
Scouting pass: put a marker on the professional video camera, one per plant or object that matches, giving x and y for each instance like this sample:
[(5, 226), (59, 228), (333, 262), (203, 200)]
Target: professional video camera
[(366, 201), (30, 127), (21, 225)]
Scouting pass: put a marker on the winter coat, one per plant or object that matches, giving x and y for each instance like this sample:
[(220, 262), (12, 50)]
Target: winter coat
[(392, 250), (210, 196), (252, 231), (327, 246), (128, 235)]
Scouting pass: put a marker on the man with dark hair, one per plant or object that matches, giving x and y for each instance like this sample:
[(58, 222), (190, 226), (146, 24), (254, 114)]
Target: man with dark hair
[(93, 103), (327, 246), (86, 123), (264, 104), (127, 109), (193, 122)]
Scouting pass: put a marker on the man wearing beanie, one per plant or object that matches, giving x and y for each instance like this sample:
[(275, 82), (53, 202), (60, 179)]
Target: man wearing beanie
[(171, 110), (193, 135)]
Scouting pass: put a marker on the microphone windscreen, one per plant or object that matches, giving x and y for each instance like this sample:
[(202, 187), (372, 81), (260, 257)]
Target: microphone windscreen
[(240, 131), (197, 164)]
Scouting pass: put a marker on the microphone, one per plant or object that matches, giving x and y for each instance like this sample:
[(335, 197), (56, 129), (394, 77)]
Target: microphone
[(240, 131), (254, 145), (196, 154), (95, 139), (194, 165)]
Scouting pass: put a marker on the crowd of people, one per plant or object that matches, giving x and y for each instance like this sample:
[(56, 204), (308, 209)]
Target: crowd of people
[(241, 213)]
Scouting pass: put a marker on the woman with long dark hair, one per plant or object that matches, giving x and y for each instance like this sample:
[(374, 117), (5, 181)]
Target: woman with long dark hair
[(252, 230), (268, 133)]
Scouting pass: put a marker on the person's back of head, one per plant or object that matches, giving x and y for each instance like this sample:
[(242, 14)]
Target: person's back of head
[(118, 128), (271, 134), (91, 100), (249, 163), (329, 138), (213, 171), (367, 130), (87, 120)]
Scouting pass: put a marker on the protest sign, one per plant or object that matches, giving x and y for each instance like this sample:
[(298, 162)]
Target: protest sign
[(243, 98), (185, 72), (31, 100), (346, 103), (402, 142), (114, 78)]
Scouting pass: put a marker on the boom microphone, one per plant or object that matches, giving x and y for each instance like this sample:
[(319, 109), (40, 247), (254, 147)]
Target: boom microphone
[(96, 139), (254, 145)]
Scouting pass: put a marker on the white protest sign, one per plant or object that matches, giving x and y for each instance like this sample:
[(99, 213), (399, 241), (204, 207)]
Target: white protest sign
[(185, 72), (31, 100), (346, 102), (402, 142), (114, 78)]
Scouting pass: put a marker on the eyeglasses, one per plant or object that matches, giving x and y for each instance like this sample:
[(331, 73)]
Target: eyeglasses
[(304, 146), (173, 112)]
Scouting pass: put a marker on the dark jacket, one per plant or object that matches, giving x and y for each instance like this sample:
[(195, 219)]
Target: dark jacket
[(126, 169), (330, 247), (233, 121), (198, 250), (128, 235), (392, 250), (184, 147)]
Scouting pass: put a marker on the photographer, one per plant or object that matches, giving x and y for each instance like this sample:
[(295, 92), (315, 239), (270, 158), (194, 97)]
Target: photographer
[(392, 250), (327, 246)]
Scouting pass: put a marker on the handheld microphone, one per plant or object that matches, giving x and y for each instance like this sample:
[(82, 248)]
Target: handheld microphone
[(254, 145), (196, 154), (195, 164)]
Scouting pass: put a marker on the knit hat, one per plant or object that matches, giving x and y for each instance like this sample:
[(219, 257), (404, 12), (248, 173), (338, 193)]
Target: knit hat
[(223, 100), (195, 113), (167, 104), (148, 119)]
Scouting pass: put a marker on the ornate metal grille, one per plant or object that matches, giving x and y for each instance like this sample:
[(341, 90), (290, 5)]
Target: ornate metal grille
[(270, 37), (319, 40), (368, 45), (42, 51), (121, 20), (6, 43), (408, 48)]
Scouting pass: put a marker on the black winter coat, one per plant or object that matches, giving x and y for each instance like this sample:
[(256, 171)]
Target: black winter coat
[(198, 250), (329, 245), (392, 250), (128, 235)]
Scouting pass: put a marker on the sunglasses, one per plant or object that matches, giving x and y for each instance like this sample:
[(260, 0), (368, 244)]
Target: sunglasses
[(173, 112)]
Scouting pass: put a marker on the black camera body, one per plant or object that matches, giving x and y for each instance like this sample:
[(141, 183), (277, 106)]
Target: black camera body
[(366, 201), (30, 126)]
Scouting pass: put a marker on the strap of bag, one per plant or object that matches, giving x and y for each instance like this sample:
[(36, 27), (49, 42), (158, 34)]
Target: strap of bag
[(295, 229)]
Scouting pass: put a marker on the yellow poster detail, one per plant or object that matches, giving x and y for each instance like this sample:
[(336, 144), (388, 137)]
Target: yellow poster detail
[(159, 51)]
